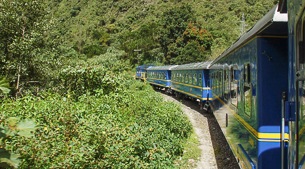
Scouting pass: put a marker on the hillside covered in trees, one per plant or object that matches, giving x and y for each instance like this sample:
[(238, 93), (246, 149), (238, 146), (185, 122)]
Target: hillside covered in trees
[(67, 97), (40, 39), (161, 31)]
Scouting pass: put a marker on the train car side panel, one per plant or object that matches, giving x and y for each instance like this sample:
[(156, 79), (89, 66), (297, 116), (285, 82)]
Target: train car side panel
[(272, 82)]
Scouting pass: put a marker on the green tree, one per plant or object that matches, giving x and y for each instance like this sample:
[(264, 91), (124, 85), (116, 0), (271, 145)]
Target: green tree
[(22, 44), (174, 22), (194, 45), (140, 43)]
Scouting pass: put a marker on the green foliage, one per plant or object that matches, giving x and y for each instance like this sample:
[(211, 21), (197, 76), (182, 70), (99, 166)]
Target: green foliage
[(93, 50), (4, 86), (227, 20), (191, 151), (194, 45), (153, 24), (101, 72), (26, 56), (139, 43), (174, 23), (99, 117), (123, 129), (10, 129)]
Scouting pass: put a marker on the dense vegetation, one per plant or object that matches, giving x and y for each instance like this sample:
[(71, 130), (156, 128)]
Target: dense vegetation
[(67, 96), (98, 131), (159, 28)]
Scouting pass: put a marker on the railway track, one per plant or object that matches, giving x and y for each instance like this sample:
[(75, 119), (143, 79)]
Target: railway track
[(215, 151)]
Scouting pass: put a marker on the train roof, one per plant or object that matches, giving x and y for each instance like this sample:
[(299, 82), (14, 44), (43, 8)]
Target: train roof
[(166, 67), (191, 66), (143, 66), (216, 66), (273, 23)]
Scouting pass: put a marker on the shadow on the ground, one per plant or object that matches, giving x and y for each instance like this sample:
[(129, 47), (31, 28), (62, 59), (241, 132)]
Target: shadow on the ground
[(224, 156)]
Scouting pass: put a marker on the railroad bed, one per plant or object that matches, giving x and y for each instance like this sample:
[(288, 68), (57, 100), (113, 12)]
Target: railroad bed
[(215, 151)]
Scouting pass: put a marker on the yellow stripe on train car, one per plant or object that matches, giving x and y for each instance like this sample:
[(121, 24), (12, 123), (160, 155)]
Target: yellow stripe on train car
[(262, 136), (189, 85), (195, 96)]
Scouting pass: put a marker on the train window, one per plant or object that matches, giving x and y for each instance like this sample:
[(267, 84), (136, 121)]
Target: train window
[(224, 75), (195, 79), (233, 87), (186, 78), (231, 74), (247, 73), (200, 79), (247, 90)]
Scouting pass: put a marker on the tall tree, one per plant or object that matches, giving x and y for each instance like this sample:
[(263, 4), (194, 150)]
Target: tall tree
[(139, 43), (174, 22), (194, 45), (22, 34)]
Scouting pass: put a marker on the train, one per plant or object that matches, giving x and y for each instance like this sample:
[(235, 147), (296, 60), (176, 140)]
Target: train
[(141, 72), (188, 80), (255, 89)]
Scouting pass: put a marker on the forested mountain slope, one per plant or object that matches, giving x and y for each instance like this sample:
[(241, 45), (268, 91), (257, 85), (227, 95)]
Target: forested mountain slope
[(65, 76), (157, 27), (39, 39)]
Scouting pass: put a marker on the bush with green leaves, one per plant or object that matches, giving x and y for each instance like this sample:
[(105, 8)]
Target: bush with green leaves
[(100, 72), (130, 127)]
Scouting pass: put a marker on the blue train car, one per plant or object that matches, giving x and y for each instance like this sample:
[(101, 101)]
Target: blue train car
[(160, 77), (192, 80), (247, 81), (141, 72), (295, 103)]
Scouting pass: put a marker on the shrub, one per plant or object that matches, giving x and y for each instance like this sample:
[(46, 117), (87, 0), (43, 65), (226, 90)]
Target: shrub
[(130, 127)]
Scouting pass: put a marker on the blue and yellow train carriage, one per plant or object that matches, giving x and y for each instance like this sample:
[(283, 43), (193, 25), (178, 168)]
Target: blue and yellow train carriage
[(160, 77), (296, 92), (141, 72), (249, 87), (192, 80)]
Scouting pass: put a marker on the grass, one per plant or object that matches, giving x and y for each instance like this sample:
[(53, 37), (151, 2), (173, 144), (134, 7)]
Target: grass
[(191, 153)]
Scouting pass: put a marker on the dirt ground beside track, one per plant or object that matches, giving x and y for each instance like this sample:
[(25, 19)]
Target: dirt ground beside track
[(215, 151)]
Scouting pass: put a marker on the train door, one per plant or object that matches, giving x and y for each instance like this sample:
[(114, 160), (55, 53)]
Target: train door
[(298, 129)]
